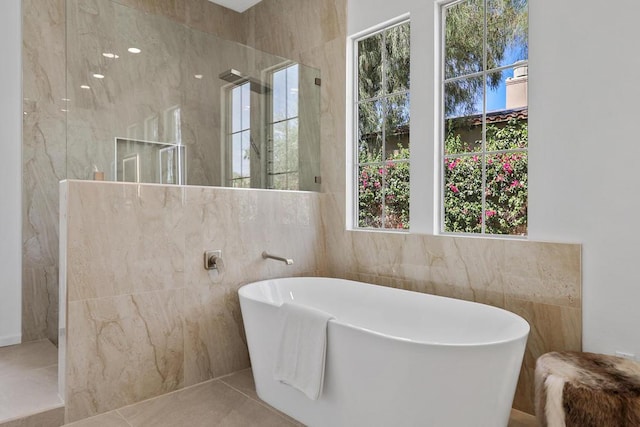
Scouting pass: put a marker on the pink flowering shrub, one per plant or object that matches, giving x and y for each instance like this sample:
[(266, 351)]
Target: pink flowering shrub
[(505, 210), (383, 192)]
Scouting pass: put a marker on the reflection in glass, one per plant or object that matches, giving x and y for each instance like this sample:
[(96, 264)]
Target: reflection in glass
[(284, 147), (240, 138), (463, 37), (506, 194), (370, 67)]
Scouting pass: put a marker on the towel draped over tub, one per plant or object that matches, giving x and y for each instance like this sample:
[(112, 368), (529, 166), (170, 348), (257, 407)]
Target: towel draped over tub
[(301, 354)]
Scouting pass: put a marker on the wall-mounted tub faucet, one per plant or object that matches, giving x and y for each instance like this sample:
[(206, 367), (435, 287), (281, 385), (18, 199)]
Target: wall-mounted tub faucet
[(287, 261)]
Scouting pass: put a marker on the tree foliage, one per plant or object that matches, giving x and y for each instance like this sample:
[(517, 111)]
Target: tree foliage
[(506, 32)]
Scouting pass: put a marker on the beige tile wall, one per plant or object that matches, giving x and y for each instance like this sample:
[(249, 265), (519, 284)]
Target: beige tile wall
[(127, 290), (143, 316), (539, 281)]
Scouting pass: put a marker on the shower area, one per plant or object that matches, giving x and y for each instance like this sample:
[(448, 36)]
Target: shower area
[(135, 91)]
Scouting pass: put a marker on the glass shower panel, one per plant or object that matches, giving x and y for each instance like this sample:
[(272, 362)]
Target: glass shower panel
[(163, 92)]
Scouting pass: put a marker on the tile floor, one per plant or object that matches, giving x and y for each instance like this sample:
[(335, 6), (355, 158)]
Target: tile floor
[(229, 401), (28, 379)]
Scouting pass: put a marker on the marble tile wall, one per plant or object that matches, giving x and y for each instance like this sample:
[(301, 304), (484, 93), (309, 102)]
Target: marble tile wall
[(109, 107), (43, 163), (539, 281), (143, 316)]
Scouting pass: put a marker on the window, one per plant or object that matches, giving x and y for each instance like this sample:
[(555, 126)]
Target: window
[(485, 116), (282, 167), (239, 139), (381, 112)]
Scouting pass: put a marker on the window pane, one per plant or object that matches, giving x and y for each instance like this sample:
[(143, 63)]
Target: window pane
[(236, 155), (463, 38), (370, 116), (292, 91), (507, 28), (370, 196), (463, 194), (292, 181), (397, 58), (506, 194), (396, 194), (246, 153), (236, 109), (397, 127), (246, 107), (463, 135), (292, 145), (279, 147), (509, 134), (279, 91), (370, 67), (463, 97)]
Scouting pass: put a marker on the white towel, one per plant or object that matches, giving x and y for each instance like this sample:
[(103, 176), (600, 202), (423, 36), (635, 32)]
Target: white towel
[(300, 358)]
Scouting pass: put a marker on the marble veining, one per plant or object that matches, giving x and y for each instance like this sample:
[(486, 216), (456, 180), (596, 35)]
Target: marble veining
[(144, 320)]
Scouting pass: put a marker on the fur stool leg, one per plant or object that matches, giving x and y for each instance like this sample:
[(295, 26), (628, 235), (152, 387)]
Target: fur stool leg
[(587, 390)]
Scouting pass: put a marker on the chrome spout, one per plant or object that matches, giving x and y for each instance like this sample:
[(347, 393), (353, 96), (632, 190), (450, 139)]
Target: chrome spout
[(287, 261)]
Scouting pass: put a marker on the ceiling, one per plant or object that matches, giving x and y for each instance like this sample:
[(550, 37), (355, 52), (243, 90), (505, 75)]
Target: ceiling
[(237, 5)]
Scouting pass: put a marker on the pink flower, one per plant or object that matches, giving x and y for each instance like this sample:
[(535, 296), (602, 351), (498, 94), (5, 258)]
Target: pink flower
[(376, 184), (515, 183), (500, 178), (507, 168), (475, 158), (490, 213), (454, 188)]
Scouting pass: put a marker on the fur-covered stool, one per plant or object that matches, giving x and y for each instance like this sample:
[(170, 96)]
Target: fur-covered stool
[(576, 389)]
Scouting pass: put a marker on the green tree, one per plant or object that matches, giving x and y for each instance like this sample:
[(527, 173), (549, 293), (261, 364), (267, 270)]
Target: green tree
[(506, 30)]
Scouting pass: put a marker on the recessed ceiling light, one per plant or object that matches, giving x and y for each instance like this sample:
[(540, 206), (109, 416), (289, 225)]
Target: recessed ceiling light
[(98, 76), (64, 110), (66, 99), (85, 87), (198, 76), (110, 55), (134, 50)]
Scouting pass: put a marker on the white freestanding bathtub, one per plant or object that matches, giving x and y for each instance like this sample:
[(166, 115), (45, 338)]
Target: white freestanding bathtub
[(394, 357)]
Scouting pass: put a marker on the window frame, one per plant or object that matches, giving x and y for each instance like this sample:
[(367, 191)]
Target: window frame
[(229, 180), (270, 123), (353, 102), (440, 124)]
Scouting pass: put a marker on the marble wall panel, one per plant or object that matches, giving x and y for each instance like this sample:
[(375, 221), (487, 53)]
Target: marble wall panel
[(43, 162), (95, 116), (539, 281), (143, 315)]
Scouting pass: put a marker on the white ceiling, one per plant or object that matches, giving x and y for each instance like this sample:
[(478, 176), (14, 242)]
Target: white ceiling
[(237, 5)]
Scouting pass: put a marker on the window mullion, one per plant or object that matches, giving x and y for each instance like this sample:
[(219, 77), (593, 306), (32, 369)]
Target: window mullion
[(483, 186)]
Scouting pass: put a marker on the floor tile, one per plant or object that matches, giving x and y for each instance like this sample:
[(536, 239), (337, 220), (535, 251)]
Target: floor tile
[(109, 419), (30, 355), (50, 418), (29, 392), (209, 404), (243, 382)]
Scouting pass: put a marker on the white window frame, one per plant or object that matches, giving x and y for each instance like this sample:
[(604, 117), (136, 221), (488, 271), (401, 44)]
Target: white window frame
[(352, 124), (270, 125)]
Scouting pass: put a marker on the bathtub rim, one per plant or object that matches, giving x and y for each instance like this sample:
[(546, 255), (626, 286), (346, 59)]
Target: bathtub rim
[(522, 334)]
